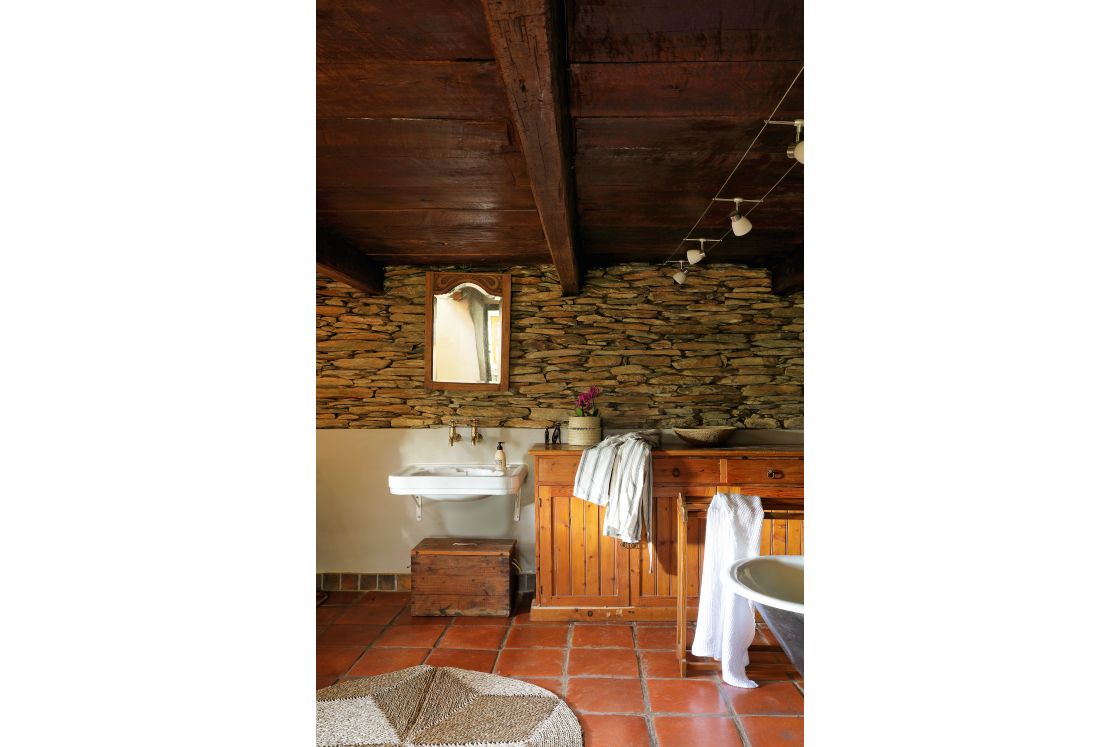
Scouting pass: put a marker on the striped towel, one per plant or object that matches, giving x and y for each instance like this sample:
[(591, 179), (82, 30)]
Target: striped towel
[(618, 474)]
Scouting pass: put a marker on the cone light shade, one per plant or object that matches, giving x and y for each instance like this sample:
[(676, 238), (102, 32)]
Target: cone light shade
[(740, 226), (799, 152), (679, 276), (694, 255)]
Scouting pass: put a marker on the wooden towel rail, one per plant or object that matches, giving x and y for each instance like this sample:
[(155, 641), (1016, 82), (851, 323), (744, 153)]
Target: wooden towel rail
[(687, 506)]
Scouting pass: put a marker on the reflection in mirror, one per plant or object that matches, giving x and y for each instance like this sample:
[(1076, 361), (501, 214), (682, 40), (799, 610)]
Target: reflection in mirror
[(467, 336), (467, 316)]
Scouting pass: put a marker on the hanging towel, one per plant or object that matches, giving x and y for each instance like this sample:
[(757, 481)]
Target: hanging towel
[(618, 474), (725, 620), (593, 476)]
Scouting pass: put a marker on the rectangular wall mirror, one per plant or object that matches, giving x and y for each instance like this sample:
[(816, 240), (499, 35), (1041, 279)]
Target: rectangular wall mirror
[(466, 343)]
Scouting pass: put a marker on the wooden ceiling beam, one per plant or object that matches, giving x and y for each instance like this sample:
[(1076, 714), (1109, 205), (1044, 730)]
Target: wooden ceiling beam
[(337, 258), (787, 275), (528, 42)]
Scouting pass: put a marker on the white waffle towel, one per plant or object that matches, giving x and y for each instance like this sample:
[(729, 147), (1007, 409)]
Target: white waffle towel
[(725, 620)]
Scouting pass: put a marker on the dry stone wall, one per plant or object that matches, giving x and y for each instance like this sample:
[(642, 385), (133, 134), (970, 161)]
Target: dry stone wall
[(719, 350)]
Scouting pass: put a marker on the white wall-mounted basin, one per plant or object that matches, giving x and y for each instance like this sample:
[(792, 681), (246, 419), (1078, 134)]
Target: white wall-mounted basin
[(774, 580), (457, 482)]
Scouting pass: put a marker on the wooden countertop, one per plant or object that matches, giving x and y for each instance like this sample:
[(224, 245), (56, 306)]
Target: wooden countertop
[(685, 450)]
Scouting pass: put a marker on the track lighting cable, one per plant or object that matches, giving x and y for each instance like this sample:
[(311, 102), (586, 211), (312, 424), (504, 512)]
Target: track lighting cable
[(743, 157)]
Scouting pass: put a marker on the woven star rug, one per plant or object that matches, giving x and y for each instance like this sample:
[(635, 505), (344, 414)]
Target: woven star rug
[(425, 706)]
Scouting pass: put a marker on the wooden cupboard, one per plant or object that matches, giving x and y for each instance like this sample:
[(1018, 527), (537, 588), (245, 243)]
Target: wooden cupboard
[(583, 575)]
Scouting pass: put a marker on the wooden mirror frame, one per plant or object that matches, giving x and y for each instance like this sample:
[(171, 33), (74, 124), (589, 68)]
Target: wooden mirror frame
[(494, 283)]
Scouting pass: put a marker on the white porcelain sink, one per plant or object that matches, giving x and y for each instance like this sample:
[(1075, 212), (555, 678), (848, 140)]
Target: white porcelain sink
[(774, 580), (457, 482)]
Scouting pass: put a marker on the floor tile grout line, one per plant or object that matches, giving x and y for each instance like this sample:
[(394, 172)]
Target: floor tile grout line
[(726, 698), (648, 706), (564, 661), (375, 639), (501, 647)]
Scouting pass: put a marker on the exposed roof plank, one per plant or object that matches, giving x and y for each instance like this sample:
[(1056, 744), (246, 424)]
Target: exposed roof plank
[(745, 90), (527, 41), (412, 137), (350, 30), (439, 89), (675, 31)]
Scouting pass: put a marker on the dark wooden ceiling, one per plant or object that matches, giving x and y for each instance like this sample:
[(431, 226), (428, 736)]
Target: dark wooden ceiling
[(419, 141)]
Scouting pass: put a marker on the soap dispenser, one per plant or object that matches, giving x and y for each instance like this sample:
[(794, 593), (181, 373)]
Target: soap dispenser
[(500, 458)]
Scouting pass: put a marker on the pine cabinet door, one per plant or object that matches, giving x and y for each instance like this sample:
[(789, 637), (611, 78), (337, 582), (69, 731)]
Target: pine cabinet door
[(656, 585), (576, 565)]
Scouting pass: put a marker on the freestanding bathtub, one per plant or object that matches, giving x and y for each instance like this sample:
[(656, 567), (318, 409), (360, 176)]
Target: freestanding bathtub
[(776, 585)]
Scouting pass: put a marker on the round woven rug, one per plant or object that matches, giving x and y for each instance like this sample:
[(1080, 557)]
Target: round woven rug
[(424, 706)]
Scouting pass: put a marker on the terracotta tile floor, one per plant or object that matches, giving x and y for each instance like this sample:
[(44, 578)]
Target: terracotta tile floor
[(621, 680)]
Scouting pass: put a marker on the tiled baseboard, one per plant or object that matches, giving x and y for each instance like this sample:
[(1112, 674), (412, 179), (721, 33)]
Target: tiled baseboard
[(391, 582), (363, 581)]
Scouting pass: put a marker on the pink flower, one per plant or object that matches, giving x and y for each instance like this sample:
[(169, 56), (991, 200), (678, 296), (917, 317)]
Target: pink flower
[(585, 402)]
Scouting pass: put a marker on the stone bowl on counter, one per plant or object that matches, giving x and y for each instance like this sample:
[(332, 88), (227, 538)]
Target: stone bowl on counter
[(708, 436)]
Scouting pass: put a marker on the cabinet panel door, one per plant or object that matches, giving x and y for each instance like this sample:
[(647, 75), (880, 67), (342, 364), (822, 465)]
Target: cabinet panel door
[(576, 564), (658, 587), (782, 529), (782, 534)]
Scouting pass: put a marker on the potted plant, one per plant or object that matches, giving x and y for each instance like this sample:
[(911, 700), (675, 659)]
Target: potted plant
[(585, 428)]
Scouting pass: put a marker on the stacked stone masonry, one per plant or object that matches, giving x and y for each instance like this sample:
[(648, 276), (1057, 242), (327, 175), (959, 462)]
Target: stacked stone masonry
[(719, 350)]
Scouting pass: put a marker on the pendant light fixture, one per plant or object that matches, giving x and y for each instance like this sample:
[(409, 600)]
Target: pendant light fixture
[(740, 225), (695, 256), (680, 275), (797, 150)]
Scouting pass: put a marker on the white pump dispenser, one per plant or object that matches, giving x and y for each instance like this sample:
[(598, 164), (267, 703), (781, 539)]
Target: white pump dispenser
[(500, 458)]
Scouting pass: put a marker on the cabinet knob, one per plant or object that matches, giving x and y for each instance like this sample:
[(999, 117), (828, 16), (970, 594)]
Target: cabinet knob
[(775, 474), (676, 471)]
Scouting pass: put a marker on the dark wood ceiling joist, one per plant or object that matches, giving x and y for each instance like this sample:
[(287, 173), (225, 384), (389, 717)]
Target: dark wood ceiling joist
[(337, 258), (528, 41), (638, 108)]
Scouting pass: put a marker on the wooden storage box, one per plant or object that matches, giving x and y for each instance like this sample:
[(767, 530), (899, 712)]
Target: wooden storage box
[(453, 576)]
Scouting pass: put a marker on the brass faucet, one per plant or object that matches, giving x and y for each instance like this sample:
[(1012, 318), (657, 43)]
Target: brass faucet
[(475, 435), (452, 436)]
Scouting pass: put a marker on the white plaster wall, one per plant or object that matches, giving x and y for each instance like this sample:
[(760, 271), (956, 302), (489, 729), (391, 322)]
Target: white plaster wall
[(362, 528)]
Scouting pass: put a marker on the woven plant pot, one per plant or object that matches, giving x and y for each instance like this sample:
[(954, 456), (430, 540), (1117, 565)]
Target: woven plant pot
[(585, 431)]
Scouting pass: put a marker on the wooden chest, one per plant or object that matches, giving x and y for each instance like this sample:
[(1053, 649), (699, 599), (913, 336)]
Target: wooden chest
[(454, 576)]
